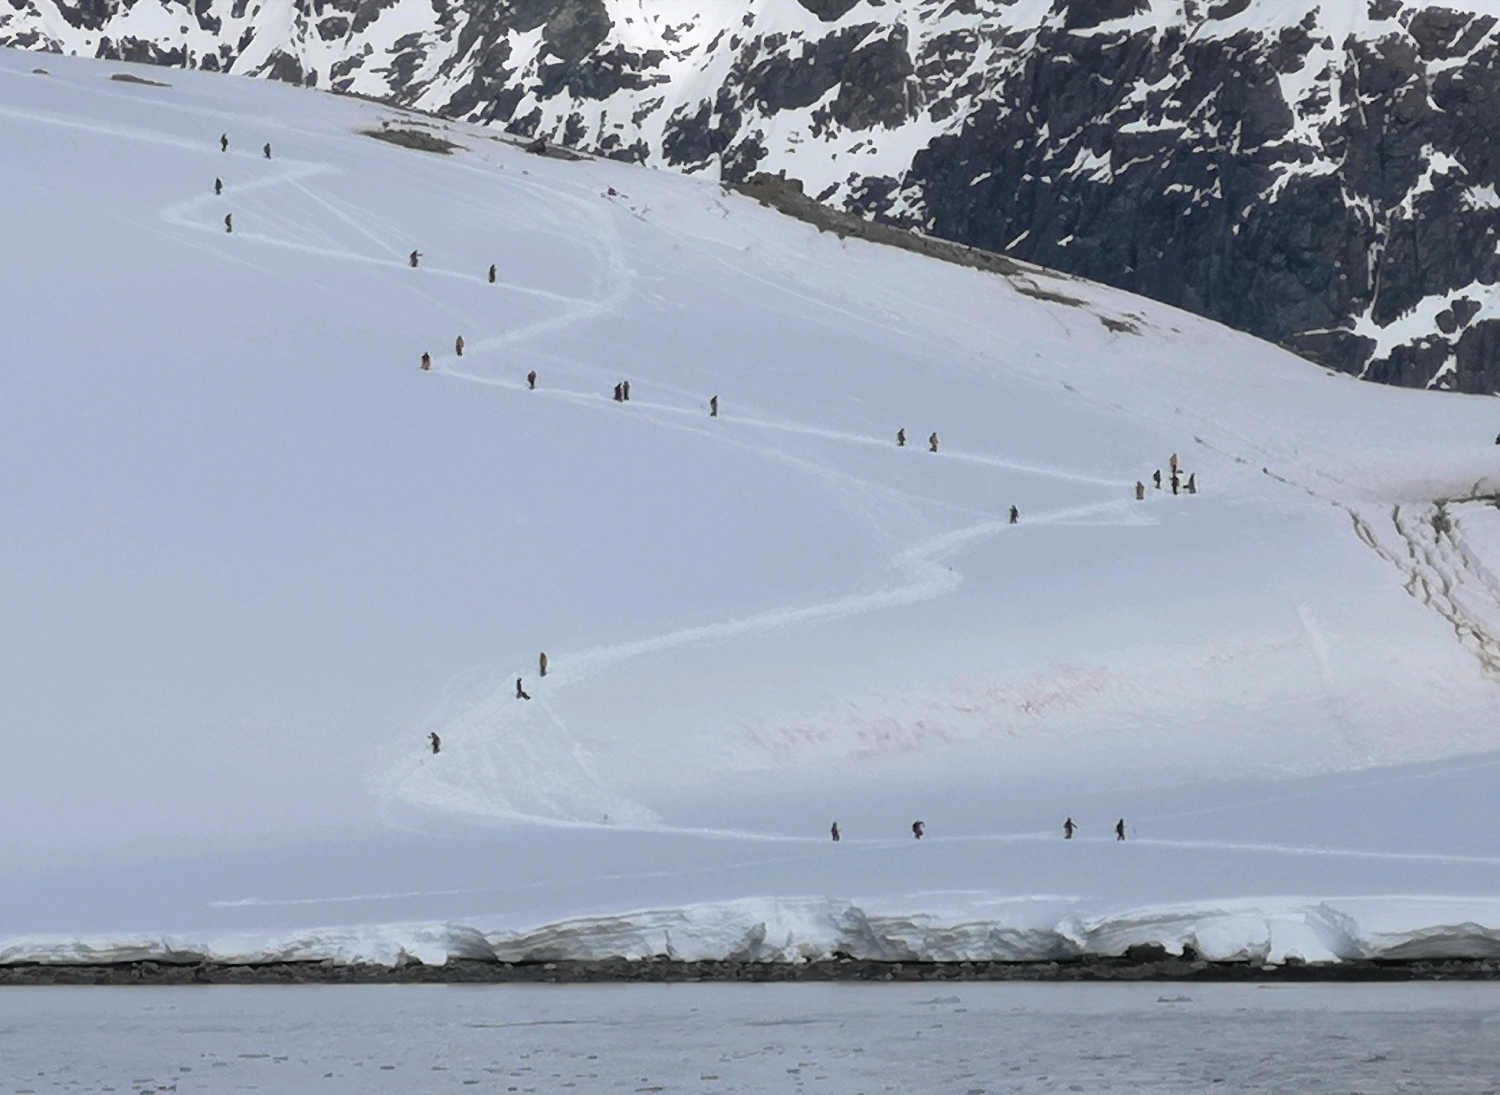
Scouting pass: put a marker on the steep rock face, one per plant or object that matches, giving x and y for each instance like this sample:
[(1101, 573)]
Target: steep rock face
[(1318, 172)]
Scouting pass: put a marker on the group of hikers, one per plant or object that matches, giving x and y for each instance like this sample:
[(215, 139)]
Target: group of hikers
[(919, 828), (1178, 485), (219, 183)]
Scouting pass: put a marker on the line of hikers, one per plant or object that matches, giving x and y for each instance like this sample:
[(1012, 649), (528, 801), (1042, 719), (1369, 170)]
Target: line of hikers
[(436, 742), (219, 183), (919, 828)]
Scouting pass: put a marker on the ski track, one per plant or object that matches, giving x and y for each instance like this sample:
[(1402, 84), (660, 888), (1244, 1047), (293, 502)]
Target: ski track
[(921, 576), (857, 846)]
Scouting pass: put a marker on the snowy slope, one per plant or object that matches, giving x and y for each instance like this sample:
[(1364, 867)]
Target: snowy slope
[(252, 555), (1317, 173)]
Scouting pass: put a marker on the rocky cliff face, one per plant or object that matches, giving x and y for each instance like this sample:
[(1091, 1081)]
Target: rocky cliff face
[(1318, 172)]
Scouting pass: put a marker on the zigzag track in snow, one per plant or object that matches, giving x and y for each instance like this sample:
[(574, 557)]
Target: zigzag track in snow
[(568, 781)]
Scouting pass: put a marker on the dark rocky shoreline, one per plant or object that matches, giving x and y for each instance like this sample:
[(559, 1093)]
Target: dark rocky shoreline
[(1144, 964)]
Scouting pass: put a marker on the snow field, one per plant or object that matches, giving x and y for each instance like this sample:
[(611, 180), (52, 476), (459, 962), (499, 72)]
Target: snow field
[(253, 555)]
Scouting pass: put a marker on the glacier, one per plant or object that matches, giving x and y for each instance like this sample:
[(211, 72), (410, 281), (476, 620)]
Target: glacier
[(251, 555)]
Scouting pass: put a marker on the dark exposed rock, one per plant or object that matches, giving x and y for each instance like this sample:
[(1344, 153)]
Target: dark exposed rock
[(575, 28), (876, 86), (1158, 966), (284, 67), (131, 78), (1082, 14), (419, 139), (829, 10)]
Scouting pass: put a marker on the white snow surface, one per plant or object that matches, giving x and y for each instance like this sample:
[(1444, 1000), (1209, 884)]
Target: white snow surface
[(251, 555)]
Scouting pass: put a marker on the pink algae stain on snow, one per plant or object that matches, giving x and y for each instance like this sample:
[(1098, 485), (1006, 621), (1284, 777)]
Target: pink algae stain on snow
[(952, 713)]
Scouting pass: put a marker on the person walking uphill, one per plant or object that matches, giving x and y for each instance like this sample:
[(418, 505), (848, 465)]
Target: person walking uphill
[(229, 222), (713, 407), (531, 380), (437, 743), (1192, 483), (218, 187), (901, 438), (1015, 515), (267, 150), (426, 362), (917, 829), (834, 832), (223, 142), (1156, 478), (492, 273), (1069, 829), (932, 442), (414, 258), (1140, 491), (458, 345), (521, 692), (541, 663), (1120, 829)]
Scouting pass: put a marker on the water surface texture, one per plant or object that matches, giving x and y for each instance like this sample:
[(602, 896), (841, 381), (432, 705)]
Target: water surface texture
[(763, 1038)]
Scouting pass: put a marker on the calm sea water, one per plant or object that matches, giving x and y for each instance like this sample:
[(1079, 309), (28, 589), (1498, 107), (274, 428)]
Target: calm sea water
[(753, 1038)]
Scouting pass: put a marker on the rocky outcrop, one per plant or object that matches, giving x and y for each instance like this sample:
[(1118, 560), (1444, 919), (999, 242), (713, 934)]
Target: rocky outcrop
[(1317, 172)]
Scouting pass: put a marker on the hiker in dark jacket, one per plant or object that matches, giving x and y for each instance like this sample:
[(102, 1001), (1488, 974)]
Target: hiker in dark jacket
[(1192, 483), (1156, 478), (218, 187), (932, 442), (1120, 829), (1069, 829), (531, 380), (267, 150), (426, 362), (917, 829), (834, 832), (223, 142), (437, 743), (414, 258), (521, 692), (1176, 482), (618, 397), (229, 222), (901, 438), (713, 407), (492, 273), (625, 391), (458, 345), (1015, 515)]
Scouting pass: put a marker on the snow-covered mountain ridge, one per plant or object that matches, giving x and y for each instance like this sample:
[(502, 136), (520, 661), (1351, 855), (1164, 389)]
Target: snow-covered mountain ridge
[(1316, 172)]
